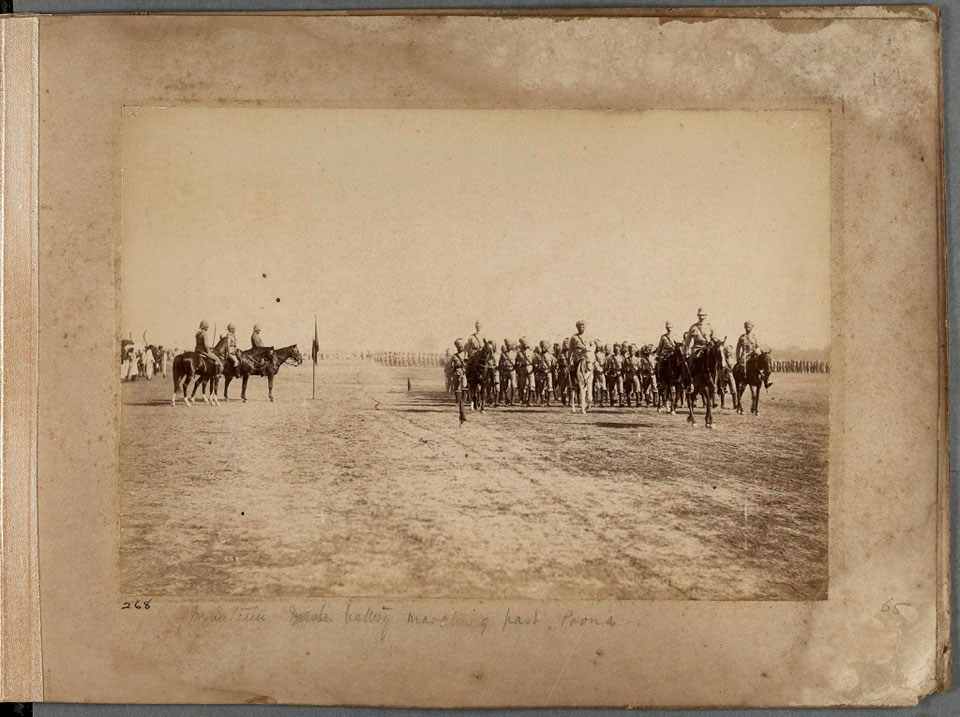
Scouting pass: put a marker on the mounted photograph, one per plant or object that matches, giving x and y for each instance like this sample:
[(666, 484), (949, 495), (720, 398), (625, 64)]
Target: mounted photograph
[(475, 354)]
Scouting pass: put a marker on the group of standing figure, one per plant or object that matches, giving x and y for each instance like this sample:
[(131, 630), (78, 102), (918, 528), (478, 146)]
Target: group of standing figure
[(581, 371)]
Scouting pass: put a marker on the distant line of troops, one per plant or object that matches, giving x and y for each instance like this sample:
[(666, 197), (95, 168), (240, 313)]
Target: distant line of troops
[(624, 373)]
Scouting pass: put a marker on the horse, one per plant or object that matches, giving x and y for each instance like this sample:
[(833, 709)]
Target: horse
[(193, 364), (253, 362), (703, 368), (580, 382), (757, 372), (267, 362), (671, 375), (480, 376)]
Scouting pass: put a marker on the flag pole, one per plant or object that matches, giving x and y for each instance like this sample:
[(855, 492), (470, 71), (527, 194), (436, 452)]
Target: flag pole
[(314, 349)]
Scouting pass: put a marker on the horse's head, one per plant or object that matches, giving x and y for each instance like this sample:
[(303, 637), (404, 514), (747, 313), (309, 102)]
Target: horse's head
[(294, 353), (764, 364)]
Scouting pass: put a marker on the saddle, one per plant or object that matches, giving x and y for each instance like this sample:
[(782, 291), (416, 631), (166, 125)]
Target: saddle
[(211, 362)]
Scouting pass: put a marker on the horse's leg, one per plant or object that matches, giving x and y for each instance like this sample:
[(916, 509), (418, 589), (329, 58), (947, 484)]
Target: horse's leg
[(710, 398), (270, 386), (196, 385), (691, 399)]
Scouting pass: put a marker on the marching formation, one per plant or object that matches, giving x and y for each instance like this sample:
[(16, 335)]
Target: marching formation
[(582, 371)]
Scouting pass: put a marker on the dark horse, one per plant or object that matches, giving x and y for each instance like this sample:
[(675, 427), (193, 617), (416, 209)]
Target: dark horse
[(192, 364), (704, 368), (758, 371), (672, 379), (253, 362), (267, 362), (480, 381)]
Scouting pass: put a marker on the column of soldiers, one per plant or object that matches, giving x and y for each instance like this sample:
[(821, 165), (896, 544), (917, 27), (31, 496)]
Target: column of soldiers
[(621, 373)]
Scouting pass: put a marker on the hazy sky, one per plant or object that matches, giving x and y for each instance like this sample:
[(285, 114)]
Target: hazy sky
[(400, 228)]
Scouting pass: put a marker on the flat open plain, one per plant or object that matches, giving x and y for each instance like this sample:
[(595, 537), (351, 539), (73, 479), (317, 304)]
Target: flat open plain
[(372, 490)]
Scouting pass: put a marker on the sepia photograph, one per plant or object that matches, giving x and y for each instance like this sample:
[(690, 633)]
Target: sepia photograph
[(475, 354)]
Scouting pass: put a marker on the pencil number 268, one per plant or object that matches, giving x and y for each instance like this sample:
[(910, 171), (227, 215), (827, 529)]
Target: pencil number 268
[(136, 605)]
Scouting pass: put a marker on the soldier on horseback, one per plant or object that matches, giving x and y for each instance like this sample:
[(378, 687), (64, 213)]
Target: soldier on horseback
[(747, 347), (667, 344), (476, 340), (699, 335), (202, 348), (232, 351), (255, 341)]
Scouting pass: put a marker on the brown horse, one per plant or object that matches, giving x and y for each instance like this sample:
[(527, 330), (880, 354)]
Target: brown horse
[(288, 354), (757, 373), (671, 379), (252, 362), (192, 364), (703, 368)]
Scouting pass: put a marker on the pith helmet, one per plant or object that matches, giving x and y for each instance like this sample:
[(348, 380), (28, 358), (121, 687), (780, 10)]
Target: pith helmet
[(256, 327), (581, 322), (458, 343), (477, 325), (204, 324), (748, 324), (231, 327), (523, 343), (701, 314), (668, 325)]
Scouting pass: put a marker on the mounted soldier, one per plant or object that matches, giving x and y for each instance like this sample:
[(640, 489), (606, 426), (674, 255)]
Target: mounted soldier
[(477, 340), (231, 349), (255, 341), (203, 348), (699, 335), (747, 347), (667, 343)]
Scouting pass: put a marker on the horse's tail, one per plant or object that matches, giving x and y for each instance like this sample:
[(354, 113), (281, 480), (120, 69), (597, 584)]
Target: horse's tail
[(177, 369)]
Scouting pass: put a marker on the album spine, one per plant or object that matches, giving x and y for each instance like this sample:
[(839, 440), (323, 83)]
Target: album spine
[(944, 651), (21, 676)]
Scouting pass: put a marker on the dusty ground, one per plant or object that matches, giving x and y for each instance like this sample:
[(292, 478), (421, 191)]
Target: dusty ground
[(373, 490)]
